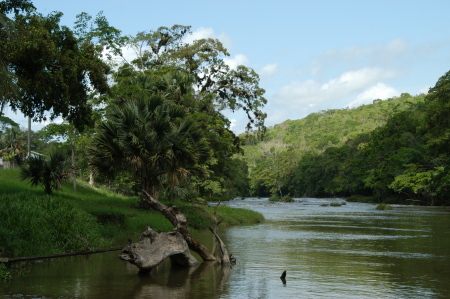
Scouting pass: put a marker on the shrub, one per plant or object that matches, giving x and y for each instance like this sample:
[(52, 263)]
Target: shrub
[(383, 206), (285, 198), (48, 173)]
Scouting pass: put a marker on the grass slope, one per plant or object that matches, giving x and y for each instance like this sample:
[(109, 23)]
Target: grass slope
[(97, 215)]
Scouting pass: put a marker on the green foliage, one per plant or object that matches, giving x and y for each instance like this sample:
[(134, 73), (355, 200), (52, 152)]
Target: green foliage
[(233, 216), (34, 225), (154, 138), (114, 218), (53, 70), (12, 142), (8, 6), (391, 150), (383, 206), (48, 173), (300, 156), (285, 198), (196, 77), (416, 181), (5, 274), (235, 89)]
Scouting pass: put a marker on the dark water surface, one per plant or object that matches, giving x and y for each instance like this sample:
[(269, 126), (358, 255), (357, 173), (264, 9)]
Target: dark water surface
[(351, 251)]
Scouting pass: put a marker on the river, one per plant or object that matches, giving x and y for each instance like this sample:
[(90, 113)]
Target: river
[(348, 251)]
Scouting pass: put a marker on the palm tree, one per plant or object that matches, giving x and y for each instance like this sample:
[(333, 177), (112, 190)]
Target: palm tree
[(48, 173), (154, 138)]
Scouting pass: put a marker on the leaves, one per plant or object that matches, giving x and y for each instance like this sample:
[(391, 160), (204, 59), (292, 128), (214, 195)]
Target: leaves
[(152, 136), (54, 72), (48, 173), (164, 50)]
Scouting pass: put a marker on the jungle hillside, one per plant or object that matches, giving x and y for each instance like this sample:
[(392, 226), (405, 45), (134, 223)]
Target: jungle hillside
[(393, 150)]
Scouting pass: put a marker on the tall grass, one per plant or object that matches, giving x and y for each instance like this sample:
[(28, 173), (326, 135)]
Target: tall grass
[(234, 216), (35, 225)]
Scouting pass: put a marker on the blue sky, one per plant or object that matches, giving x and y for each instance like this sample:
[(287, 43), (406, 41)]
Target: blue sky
[(310, 55)]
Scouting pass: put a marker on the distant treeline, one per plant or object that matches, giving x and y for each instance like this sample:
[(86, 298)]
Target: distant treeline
[(391, 150)]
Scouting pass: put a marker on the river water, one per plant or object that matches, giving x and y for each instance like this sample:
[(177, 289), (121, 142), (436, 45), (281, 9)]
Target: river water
[(350, 251)]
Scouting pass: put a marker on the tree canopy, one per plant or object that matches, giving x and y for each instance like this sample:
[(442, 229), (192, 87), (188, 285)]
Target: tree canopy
[(154, 138), (54, 71), (164, 50)]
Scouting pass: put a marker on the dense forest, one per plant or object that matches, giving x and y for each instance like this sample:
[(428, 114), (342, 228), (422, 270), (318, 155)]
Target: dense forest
[(393, 150), (155, 122)]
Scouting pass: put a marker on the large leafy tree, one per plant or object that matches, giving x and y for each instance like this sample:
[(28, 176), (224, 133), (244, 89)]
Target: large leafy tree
[(54, 72), (164, 49), (195, 75)]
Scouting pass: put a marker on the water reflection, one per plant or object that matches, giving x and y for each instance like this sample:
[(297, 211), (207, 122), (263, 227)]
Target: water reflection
[(351, 251)]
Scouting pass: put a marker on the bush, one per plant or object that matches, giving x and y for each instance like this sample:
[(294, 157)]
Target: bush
[(383, 206), (48, 173), (4, 272), (276, 197)]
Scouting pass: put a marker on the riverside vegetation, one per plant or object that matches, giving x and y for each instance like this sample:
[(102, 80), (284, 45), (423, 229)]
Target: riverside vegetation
[(33, 223)]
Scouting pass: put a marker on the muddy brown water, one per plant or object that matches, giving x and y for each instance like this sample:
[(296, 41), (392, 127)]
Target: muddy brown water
[(351, 251)]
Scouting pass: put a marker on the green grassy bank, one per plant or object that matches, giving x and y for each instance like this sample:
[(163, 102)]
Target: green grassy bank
[(32, 223)]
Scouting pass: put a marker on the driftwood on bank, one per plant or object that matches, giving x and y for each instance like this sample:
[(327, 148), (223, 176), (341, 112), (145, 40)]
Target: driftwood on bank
[(179, 222), (153, 248), (225, 257)]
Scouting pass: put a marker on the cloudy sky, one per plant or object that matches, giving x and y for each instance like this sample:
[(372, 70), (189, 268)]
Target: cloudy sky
[(310, 55)]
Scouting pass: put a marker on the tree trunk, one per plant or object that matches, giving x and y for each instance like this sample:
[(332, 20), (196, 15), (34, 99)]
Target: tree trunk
[(179, 221), (224, 255), (29, 138), (73, 167), (91, 177)]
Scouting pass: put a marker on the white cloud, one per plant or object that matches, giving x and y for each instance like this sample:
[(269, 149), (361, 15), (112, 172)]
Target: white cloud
[(269, 70), (378, 91), (311, 92), (232, 123), (237, 60)]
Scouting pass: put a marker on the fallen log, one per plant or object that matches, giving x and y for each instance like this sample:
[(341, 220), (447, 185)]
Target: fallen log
[(57, 255), (225, 257), (179, 222), (153, 248)]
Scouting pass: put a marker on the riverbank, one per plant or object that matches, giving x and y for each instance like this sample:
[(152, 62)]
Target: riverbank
[(33, 223)]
